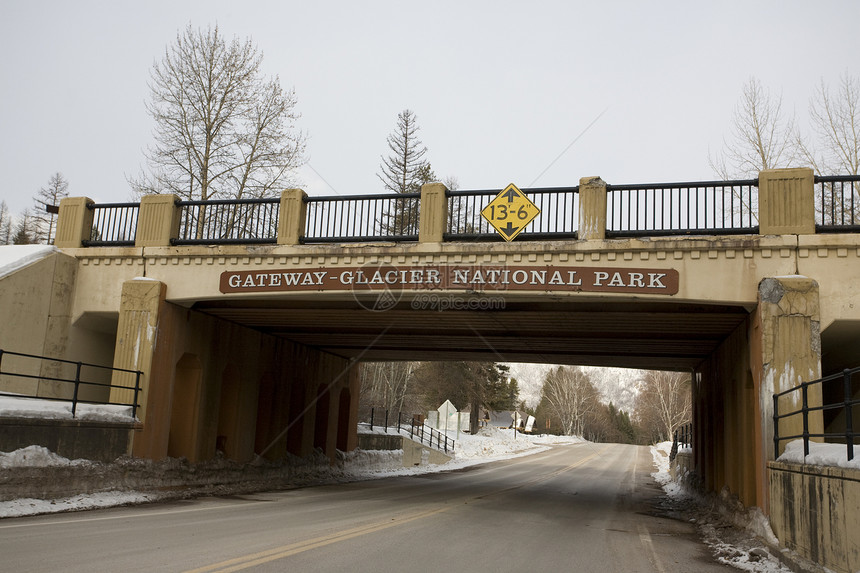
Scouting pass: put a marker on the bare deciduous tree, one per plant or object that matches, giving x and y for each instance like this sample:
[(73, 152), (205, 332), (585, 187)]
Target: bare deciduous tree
[(223, 131), (43, 221), (762, 137), (387, 385), (571, 397), (835, 118), (5, 224), (664, 403)]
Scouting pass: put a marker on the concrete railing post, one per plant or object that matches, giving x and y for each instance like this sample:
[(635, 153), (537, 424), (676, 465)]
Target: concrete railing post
[(157, 221), (433, 214), (592, 208), (786, 202), (292, 217), (74, 223)]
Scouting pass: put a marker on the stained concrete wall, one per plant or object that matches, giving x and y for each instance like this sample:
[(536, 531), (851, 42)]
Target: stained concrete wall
[(724, 420), (210, 384), (814, 512), (34, 319)]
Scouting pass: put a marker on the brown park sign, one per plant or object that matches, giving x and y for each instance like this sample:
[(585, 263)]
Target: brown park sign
[(455, 277)]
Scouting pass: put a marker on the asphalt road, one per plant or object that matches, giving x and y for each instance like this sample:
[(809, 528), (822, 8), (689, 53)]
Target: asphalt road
[(586, 507)]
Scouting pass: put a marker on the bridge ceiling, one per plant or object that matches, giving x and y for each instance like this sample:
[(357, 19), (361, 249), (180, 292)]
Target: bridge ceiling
[(633, 335)]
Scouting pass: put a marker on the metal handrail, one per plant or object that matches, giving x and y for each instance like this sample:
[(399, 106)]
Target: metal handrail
[(845, 406), (834, 212), (228, 221), (424, 433), (558, 218), (114, 224), (77, 381), (362, 218)]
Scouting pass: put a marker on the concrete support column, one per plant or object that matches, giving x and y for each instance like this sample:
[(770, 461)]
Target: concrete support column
[(786, 350), (786, 202), (592, 208), (293, 214), (157, 221), (433, 218), (140, 306), (74, 223)]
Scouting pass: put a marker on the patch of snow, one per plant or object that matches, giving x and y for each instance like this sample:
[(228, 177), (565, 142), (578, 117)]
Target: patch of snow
[(35, 457), (16, 257), (820, 455), (19, 407)]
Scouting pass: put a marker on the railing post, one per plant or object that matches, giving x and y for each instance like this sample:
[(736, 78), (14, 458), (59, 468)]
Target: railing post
[(157, 221), (77, 385), (849, 418), (386, 421), (803, 392), (74, 223), (775, 426), (136, 393), (433, 213), (371, 419), (592, 208), (786, 202), (292, 217)]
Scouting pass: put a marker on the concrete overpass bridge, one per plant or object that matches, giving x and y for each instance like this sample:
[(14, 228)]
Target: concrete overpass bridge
[(248, 319)]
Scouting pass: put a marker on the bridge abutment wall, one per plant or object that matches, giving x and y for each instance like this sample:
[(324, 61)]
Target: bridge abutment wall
[(209, 384)]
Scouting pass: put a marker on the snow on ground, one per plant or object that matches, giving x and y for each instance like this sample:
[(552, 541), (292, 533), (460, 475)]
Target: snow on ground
[(737, 536), (16, 407), (15, 257), (820, 455)]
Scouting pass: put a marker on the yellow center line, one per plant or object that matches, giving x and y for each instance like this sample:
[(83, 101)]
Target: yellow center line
[(254, 559)]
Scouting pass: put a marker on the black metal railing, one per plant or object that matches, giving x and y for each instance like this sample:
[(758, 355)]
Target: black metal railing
[(558, 218), (416, 431), (837, 203), (59, 372), (844, 406), (228, 221), (682, 438), (362, 218), (698, 208), (114, 224)]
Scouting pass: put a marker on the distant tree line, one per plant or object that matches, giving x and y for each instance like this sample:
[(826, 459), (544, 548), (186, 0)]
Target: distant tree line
[(37, 225), (570, 404)]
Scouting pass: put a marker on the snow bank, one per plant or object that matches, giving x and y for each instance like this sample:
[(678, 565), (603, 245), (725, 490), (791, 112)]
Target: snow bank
[(35, 457), (736, 535), (18, 407), (15, 257), (820, 455)]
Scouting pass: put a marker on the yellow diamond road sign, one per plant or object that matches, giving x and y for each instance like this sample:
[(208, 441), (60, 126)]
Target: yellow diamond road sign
[(510, 212)]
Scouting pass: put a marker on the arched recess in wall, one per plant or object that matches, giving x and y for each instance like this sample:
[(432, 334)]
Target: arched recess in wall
[(227, 440), (343, 420), (185, 408), (265, 415), (321, 419)]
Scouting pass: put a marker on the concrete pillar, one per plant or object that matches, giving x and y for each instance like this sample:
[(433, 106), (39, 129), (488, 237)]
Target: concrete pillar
[(592, 208), (433, 218), (140, 306), (785, 350), (74, 223), (157, 221), (786, 202), (291, 220)]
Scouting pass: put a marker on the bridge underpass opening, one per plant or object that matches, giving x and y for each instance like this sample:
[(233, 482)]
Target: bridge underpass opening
[(710, 340)]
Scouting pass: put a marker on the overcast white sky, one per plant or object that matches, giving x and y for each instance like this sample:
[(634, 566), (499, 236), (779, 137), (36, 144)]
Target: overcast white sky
[(500, 88)]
